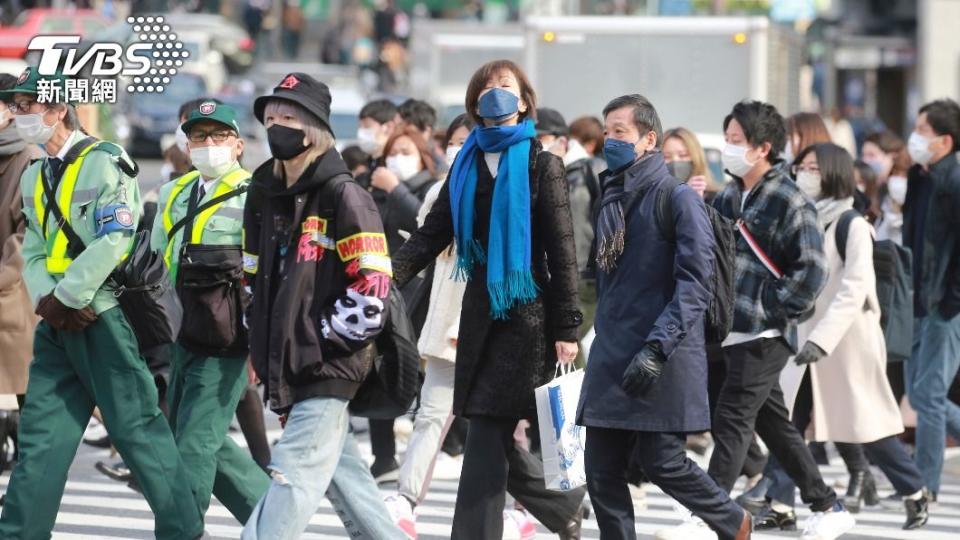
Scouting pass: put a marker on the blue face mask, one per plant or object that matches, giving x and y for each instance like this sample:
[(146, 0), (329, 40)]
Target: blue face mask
[(619, 153), (498, 105)]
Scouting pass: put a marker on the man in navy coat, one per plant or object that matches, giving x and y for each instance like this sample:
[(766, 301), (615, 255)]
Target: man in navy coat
[(646, 380)]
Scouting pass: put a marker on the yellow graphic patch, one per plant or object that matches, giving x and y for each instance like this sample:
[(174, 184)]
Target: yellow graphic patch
[(314, 224), (359, 244)]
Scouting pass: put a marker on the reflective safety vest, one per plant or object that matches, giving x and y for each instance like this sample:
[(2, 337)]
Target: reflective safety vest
[(57, 244), (226, 184)]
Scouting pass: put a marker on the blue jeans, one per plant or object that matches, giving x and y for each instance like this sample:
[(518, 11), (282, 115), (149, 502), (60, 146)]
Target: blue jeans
[(928, 375), (316, 456)]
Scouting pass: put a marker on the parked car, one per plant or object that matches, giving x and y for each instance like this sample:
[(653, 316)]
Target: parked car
[(226, 37), (152, 115), (31, 22), (203, 59)]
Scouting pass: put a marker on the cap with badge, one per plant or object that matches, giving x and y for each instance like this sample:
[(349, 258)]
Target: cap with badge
[(31, 81), (211, 111), (302, 89)]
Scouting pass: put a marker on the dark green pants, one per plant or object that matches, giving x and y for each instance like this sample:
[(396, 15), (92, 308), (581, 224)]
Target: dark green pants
[(70, 374), (203, 395)]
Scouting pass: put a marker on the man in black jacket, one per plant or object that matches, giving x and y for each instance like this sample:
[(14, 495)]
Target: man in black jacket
[(316, 258), (930, 228)]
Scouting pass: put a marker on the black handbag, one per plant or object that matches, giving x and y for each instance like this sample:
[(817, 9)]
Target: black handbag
[(141, 283), (209, 287)]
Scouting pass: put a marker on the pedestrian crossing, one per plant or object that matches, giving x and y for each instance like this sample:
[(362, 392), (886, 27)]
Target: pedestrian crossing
[(95, 507)]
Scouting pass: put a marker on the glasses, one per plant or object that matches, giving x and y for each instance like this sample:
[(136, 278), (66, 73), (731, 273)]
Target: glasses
[(23, 106), (218, 137)]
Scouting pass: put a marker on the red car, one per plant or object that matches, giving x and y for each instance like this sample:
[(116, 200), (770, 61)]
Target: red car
[(32, 22)]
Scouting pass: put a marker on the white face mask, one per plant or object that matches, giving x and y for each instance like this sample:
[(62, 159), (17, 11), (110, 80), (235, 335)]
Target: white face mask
[(897, 188), (181, 139), (31, 128), (212, 161), (405, 167), (734, 159), (367, 139), (809, 183), (452, 152), (918, 147)]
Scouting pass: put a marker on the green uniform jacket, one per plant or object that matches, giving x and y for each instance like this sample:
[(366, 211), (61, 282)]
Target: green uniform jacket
[(100, 183), (223, 228)]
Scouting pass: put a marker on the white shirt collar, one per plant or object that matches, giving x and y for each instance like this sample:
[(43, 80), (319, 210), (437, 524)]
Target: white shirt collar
[(71, 140)]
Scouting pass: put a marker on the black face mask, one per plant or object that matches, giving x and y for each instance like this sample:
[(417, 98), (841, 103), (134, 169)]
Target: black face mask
[(285, 143)]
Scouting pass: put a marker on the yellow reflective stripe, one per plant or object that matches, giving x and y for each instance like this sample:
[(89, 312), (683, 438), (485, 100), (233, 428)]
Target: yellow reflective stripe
[(182, 182), (57, 260), (226, 184)]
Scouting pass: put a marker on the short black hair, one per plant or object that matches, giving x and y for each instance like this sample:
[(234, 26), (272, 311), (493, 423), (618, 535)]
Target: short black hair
[(7, 81), (761, 123), (644, 115), (354, 157), (381, 110), (462, 120), (418, 113), (189, 106), (943, 115), (836, 169)]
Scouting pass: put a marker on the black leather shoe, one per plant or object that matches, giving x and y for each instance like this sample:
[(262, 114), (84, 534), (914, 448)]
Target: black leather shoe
[(755, 499), (862, 490), (117, 471), (769, 519), (917, 513), (572, 530)]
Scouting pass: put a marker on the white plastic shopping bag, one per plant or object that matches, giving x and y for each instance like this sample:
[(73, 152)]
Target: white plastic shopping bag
[(562, 441)]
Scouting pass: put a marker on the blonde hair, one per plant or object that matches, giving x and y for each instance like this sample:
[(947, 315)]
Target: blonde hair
[(698, 159), (319, 138)]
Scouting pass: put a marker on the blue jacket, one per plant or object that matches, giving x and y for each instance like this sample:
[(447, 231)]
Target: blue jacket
[(658, 292)]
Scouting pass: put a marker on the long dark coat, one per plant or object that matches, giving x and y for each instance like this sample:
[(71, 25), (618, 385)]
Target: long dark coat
[(658, 292), (500, 363)]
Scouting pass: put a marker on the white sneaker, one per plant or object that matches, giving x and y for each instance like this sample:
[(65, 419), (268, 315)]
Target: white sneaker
[(518, 525), (691, 530), (401, 512), (828, 525)]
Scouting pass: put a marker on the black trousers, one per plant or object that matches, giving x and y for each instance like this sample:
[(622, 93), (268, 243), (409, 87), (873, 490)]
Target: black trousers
[(383, 443), (751, 399), (716, 374), (665, 464), (493, 465)]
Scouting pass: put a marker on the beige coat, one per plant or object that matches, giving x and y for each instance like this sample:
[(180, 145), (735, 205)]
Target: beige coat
[(852, 399), (442, 324), (17, 321)]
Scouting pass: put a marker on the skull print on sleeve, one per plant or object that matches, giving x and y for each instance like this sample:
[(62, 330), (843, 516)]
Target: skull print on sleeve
[(359, 314)]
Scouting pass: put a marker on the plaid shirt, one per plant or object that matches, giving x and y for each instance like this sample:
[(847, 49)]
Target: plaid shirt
[(784, 223)]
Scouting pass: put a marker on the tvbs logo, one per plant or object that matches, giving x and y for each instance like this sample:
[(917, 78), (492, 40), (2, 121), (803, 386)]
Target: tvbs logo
[(153, 50)]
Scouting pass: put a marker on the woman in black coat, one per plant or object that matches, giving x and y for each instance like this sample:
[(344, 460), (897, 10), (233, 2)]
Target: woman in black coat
[(520, 310)]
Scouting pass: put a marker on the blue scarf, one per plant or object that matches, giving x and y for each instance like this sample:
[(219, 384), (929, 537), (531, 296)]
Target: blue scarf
[(509, 277)]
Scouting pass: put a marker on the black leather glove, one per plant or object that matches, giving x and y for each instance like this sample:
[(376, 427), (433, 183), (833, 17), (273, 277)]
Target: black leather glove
[(810, 353), (643, 371)]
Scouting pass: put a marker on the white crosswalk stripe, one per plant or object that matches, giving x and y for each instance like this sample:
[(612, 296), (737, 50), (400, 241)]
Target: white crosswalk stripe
[(95, 507)]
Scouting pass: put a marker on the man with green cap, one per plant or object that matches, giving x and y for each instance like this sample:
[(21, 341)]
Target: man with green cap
[(85, 352), (198, 228)]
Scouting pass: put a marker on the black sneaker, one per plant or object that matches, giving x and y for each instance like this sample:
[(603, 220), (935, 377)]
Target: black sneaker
[(385, 472), (118, 471), (769, 519), (917, 513)]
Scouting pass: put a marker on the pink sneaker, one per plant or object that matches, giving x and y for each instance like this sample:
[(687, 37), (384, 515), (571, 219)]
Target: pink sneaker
[(401, 511), (518, 525)]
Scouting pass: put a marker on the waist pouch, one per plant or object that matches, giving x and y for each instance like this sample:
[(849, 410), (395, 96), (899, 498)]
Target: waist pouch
[(210, 289), (146, 296)]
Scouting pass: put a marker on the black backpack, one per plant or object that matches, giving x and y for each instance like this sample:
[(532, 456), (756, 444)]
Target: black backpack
[(893, 265), (395, 380), (718, 318)]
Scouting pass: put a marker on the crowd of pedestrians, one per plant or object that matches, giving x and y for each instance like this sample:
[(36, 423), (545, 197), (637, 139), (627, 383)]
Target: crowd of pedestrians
[(794, 304)]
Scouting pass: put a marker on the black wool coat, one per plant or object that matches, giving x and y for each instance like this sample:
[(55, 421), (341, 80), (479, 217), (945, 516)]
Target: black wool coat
[(500, 363)]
